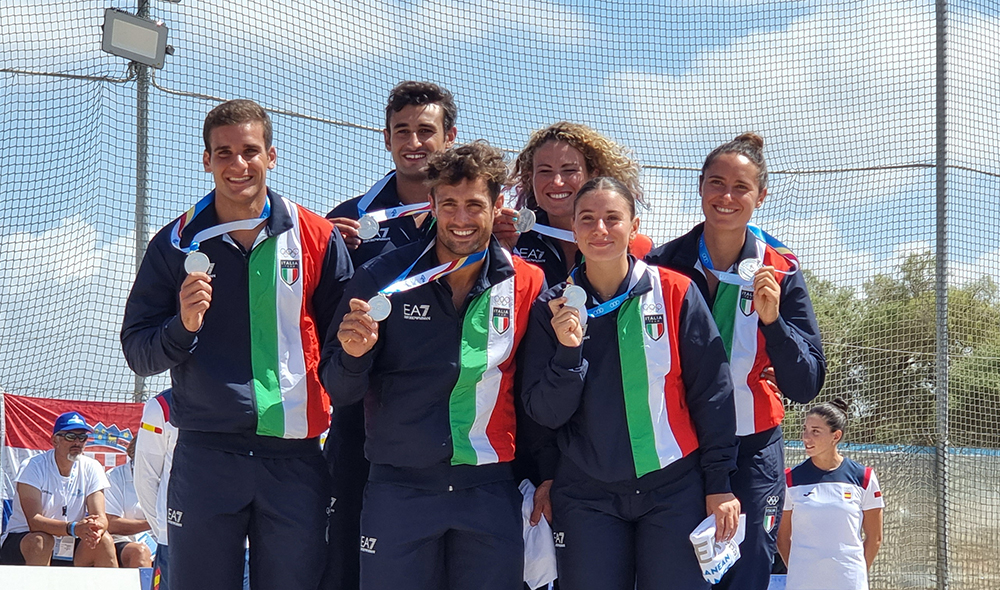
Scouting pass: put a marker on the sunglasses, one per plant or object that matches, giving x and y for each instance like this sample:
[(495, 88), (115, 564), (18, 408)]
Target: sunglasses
[(73, 437)]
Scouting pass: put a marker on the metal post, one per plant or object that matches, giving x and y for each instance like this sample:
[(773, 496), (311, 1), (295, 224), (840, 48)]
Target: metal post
[(141, 172), (941, 296)]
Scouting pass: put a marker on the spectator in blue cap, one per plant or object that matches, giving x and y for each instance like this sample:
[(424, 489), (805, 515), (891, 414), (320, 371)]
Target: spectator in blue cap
[(67, 524)]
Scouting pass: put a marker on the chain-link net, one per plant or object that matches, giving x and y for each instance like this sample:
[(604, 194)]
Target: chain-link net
[(845, 94)]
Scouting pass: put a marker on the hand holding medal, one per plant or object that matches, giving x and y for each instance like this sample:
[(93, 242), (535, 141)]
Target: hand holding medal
[(358, 331), (196, 293), (766, 294), (566, 317)]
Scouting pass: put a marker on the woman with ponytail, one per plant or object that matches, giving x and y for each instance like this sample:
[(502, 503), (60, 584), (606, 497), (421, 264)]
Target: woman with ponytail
[(832, 526), (624, 361), (762, 309)]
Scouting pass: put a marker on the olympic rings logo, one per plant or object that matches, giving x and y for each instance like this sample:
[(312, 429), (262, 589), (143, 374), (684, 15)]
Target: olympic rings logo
[(657, 307), (502, 300), (291, 252)]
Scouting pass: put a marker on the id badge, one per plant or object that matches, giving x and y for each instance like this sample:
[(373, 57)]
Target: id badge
[(64, 548)]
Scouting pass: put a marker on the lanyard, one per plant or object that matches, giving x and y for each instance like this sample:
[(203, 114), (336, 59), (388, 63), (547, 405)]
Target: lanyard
[(734, 278), (215, 230), (404, 282), (612, 304)]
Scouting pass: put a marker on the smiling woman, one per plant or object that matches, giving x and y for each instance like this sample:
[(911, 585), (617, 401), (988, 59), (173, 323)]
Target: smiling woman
[(633, 377), (762, 309), (549, 171)]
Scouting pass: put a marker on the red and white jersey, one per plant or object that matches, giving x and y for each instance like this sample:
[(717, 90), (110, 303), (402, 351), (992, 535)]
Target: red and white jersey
[(154, 454), (827, 510)]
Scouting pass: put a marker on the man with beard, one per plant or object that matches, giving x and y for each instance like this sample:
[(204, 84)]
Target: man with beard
[(59, 516), (419, 122), (435, 365)]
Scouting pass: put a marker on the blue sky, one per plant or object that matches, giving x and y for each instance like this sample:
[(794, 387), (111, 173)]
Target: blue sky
[(830, 85)]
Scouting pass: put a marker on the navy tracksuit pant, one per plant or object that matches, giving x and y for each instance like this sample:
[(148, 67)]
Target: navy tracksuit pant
[(620, 536), (421, 539), (759, 483), (217, 499), (345, 454)]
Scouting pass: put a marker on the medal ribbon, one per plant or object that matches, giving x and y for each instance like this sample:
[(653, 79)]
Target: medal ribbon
[(762, 236), (215, 230), (552, 232), (775, 243), (392, 212), (373, 192), (612, 304), (401, 211), (512, 196), (404, 282)]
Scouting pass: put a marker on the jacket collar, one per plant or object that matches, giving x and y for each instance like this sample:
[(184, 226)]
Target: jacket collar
[(497, 266), (280, 220), (643, 285)]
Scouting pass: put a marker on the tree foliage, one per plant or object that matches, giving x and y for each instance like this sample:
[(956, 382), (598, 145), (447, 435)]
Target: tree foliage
[(881, 348)]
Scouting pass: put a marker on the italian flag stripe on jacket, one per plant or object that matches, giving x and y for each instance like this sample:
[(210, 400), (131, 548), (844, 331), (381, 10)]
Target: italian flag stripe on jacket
[(482, 402), (284, 272), (660, 427), (758, 406)]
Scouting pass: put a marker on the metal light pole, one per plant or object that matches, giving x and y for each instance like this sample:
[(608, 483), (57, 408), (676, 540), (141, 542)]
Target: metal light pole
[(141, 172)]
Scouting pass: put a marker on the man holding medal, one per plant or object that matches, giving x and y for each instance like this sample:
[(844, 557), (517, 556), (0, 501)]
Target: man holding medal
[(419, 122), (234, 298), (428, 338)]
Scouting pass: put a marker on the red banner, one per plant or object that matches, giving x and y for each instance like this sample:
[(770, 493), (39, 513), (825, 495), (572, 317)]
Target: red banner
[(29, 421)]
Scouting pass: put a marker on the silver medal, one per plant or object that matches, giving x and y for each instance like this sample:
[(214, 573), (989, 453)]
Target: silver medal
[(380, 307), (197, 262), (748, 268), (368, 229), (525, 220), (575, 296)]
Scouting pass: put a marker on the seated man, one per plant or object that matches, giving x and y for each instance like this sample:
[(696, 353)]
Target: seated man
[(59, 505), (125, 518)]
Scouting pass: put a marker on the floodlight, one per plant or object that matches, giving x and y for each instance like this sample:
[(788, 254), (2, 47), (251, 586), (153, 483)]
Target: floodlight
[(134, 38)]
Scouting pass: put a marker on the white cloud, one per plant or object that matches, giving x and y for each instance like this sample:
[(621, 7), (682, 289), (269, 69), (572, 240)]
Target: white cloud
[(64, 293)]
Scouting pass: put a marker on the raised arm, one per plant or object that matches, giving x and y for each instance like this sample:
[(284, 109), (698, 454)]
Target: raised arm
[(153, 336), (554, 370), (351, 344), (793, 342)]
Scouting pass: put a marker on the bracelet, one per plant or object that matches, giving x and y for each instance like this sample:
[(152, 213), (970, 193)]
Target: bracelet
[(72, 529)]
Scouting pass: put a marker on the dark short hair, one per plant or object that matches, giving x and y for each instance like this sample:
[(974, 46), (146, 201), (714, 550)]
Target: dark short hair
[(472, 161), (606, 183), (420, 93), (749, 145), (237, 112)]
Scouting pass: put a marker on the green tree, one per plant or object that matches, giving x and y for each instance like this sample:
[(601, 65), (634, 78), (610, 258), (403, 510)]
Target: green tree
[(881, 351)]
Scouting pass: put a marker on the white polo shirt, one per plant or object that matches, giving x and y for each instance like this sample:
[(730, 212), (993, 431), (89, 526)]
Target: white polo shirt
[(121, 500), (827, 508)]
